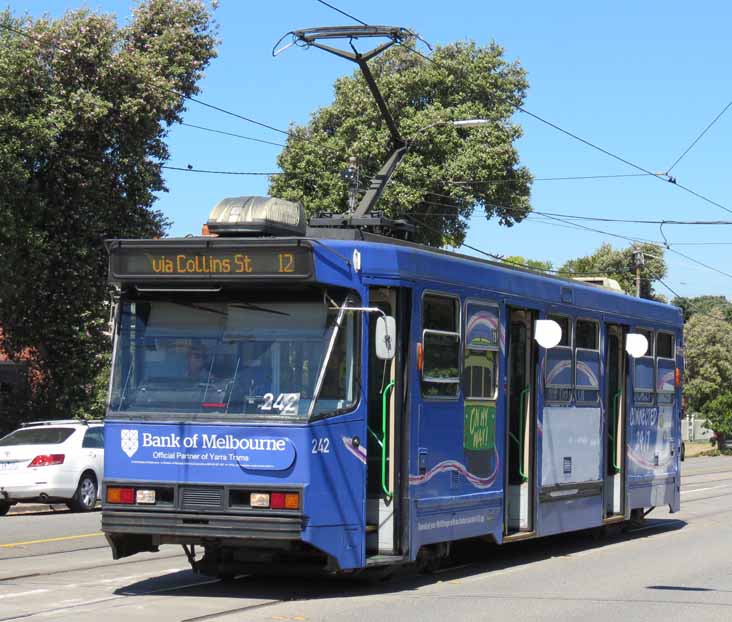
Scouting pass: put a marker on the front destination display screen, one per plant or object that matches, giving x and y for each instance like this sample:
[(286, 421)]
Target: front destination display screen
[(295, 261)]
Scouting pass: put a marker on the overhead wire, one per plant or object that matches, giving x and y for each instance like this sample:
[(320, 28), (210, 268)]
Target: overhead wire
[(698, 138), (660, 176), (466, 182), (503, 259), (701, 263), (668, 247), (635, 240), (335, 8), (593, 218), (190, 169), (215, 131)]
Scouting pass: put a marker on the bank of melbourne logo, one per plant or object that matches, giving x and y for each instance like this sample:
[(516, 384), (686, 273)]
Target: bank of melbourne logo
[(129, 441)]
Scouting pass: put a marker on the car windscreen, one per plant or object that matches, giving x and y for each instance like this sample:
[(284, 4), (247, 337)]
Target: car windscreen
[(36, 436)]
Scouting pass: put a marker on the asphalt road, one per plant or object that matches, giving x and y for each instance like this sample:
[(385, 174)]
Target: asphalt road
[(56, 566)]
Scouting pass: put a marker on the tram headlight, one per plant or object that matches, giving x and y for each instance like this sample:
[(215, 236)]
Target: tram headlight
[(146, 497), (259, 500)]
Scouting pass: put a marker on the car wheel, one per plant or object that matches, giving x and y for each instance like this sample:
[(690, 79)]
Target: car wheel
[(85, 498), (4, 508)]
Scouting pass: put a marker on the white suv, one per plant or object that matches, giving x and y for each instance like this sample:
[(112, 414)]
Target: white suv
[(52, 462)]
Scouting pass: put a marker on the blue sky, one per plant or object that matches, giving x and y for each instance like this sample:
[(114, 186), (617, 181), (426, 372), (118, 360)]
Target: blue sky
[(640, 79)]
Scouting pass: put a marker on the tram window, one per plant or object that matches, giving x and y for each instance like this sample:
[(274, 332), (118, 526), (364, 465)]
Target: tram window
[(566, 327), (441, 346), (648, 334), (587, 362), (558, 374), (665, 345), (644, 372), (440, 372), (586, 335), (480, 363), (439, 313), (479, 375)]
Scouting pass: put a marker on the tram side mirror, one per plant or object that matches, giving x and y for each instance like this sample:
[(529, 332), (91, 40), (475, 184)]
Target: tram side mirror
[(385, 340), (547, 333), (636, 345)]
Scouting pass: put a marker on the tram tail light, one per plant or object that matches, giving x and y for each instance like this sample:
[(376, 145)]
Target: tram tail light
[(420, 356), (677, 377), (120, 495), (285, 501)]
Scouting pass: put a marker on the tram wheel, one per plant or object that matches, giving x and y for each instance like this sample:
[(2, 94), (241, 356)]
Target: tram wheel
[(430, 557), (637, 518)]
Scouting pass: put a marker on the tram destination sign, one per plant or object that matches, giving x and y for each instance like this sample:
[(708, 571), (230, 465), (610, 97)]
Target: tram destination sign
[(209, 263)]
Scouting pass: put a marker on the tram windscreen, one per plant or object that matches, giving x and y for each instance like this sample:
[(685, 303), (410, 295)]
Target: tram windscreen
[(254, 358)]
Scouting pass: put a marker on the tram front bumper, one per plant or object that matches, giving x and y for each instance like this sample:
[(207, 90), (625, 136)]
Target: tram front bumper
[(145, 531), (179, 524)]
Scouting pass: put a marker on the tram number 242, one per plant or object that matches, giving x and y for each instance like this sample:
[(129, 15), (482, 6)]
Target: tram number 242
[(284, 403)]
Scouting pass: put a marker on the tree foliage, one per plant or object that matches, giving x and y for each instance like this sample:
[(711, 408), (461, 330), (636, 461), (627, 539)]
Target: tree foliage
[(534, 264), (719, 416), (708, 350), (703, 304), (619, 264), (85, 106), (466, 81)]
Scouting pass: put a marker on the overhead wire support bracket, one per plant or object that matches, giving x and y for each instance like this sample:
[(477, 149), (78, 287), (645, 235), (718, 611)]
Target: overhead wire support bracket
[(396, 35)]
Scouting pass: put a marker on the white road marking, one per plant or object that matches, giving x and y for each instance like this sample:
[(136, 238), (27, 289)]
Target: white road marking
[(22, 593), (684, 492)]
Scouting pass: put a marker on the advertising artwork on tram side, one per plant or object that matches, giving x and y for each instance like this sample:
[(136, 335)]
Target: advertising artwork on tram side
[(480, 388)]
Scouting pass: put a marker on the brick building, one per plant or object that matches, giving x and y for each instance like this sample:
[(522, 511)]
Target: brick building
[(14, 382)]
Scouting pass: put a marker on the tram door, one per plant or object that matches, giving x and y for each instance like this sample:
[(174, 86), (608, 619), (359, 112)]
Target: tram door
[(615, 418), (385, 408), (521, 424)]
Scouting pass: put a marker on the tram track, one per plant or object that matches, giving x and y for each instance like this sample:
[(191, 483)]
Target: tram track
[(64, 552), (123, 595), (246, 586), (704, 474), (230, 612), (107, 599), (81, 568)]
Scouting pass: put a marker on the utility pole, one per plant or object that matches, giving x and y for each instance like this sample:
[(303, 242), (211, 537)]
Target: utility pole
[(638, 262)]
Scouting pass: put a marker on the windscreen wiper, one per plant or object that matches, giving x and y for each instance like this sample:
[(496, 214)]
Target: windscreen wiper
[(249, 305), (326, 359), (193, 305)]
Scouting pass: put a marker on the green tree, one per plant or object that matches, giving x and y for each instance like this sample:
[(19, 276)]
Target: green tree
[(703, 304), (85, 107), (719, 417), (708, 354), (619, 264), (534, 264), (466, 81)]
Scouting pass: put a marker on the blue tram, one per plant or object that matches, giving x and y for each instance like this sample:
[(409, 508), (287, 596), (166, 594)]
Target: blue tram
[(333, 399)]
